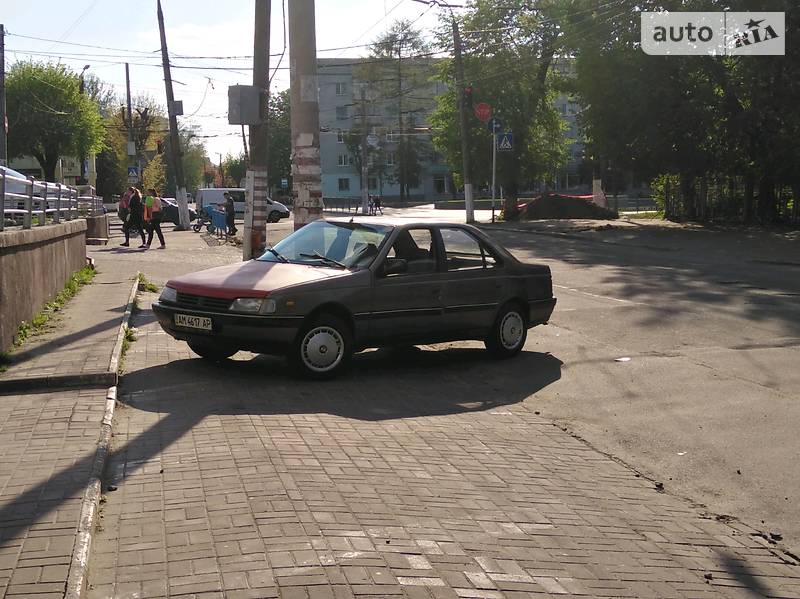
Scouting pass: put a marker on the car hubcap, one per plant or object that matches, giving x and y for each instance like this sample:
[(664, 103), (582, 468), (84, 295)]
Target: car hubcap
[(323, 348), (511, 330)]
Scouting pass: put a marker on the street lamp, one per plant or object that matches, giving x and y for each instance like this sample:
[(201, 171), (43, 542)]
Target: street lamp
[(82, 158)]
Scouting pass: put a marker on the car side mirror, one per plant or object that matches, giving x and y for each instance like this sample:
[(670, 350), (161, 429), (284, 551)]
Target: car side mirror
[(395, 266)]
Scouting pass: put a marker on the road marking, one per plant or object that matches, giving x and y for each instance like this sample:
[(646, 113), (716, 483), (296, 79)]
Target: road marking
[(595, 295)]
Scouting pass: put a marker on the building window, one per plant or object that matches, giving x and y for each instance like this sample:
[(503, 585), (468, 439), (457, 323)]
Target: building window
[(372, 183), (391, 158), (439, 184), (340, 135), (340, 88), (345, 160), (344, 184), (341, 112)]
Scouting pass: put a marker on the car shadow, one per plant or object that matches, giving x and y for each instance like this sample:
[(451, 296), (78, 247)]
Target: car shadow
[(380, 385)]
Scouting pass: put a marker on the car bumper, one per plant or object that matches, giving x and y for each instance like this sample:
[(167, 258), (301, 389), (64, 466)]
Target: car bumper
[(541, 310), (261, 334)]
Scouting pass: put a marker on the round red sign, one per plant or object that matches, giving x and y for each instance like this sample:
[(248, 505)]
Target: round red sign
[(483, 111)]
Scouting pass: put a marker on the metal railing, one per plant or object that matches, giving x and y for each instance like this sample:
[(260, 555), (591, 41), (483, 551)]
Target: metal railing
[(23, 200)]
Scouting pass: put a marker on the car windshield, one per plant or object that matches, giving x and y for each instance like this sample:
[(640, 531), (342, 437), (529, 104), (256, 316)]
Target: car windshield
[(325, 243)]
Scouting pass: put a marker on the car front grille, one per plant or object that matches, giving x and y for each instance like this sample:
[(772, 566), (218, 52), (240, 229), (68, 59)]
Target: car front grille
[(201, 302)]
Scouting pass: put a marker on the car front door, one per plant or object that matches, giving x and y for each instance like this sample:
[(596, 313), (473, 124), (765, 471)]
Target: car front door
[(473, 282), (407, 306)]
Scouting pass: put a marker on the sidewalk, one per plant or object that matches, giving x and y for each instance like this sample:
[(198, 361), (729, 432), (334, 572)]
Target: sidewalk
[(75, 348)]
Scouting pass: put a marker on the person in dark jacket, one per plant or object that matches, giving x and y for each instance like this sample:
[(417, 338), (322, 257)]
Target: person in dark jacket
[(134, 218), (230, 214)]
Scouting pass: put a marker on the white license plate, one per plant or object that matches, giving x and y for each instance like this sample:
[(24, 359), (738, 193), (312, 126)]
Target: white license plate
[(193, 322)]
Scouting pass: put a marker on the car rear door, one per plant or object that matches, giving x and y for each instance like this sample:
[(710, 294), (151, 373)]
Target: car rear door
[(474, 281), (407, 307)]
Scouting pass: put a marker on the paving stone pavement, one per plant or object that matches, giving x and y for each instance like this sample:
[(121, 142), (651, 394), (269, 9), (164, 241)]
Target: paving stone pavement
[(420, 474), (81, 337), (47, 446)]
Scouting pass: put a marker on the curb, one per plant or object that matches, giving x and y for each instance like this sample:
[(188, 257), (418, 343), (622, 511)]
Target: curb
[(79, 564), (574, 235), (89, 380)]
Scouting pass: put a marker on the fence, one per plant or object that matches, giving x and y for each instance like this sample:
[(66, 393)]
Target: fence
[(22, 199)]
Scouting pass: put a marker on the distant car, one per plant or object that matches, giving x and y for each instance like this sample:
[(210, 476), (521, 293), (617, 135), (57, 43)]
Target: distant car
[(335, 287), (170, 209), (210, 198)]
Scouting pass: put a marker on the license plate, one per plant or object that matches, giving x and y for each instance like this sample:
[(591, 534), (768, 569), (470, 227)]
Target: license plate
[(193, 322)]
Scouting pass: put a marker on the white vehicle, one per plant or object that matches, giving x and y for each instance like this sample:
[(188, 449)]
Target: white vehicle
[(212, 197)]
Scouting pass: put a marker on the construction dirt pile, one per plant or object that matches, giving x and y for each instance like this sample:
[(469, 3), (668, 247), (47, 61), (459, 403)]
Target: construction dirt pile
[(559, 206)]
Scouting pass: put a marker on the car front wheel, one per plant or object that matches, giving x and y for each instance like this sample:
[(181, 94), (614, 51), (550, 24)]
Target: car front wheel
[(508, 333), (323, 348), (212, 352)]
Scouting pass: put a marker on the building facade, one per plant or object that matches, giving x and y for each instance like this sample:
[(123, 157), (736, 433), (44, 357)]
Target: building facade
[(345, 117)]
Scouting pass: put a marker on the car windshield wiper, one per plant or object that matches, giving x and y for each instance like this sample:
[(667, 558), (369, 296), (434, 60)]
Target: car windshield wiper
[(275, 253), (325, 259)]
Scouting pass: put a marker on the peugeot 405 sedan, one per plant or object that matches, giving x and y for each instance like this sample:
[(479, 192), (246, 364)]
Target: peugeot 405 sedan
[(333, 288)]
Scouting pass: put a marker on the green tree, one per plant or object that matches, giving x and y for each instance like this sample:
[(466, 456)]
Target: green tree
[(234, 169), (280, 139), (507, 63), (193, 157), (154, 175), (396, 75), (48, 117)]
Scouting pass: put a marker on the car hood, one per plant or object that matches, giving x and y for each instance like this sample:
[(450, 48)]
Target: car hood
[(250, 279)]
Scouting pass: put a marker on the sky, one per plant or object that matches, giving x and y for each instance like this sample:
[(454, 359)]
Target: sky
[(112, 32)]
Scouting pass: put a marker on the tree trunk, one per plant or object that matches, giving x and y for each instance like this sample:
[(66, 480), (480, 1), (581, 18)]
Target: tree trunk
[(511, 203), (766, 199), (749, 188), (795, 202), (688, 196)]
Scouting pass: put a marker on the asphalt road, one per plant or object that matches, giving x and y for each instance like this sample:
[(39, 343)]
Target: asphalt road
[(708, 401)]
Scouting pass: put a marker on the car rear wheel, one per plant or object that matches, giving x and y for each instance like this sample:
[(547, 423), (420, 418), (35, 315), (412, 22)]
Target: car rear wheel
[(273, 217), (212, 352), (509, 332), (323, 348)]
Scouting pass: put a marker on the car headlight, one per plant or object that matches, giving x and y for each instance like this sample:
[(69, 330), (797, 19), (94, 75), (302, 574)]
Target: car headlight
[(253, 305), (169, 295)]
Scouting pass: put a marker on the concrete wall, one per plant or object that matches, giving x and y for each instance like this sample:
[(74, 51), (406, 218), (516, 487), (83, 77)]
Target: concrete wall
[(35, 264)]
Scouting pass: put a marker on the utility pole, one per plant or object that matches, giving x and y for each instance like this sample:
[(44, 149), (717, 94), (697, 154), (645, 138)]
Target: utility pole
[(306, 172), (131, 145), (401, 155), (3, 117), (462, 109), (254, 238), (174, 138), (82, 158), (246, 153), (364, 151)]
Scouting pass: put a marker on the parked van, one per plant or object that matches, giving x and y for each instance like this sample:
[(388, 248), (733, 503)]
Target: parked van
[(211, 197)]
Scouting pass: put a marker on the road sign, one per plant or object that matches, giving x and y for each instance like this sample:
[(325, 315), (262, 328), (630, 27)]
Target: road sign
[(285, 183), (483, 111), (373, 140), (505, 141), (494, 125), (133, 171)]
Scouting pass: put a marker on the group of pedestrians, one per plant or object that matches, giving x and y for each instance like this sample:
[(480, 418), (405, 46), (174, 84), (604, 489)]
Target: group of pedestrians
[(142, 214)]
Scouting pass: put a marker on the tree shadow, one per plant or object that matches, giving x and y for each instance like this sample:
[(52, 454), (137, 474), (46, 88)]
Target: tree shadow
[(670, 272)]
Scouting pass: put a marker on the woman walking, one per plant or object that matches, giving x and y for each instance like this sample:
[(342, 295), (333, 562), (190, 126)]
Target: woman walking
[(152, 215), (134, 218)]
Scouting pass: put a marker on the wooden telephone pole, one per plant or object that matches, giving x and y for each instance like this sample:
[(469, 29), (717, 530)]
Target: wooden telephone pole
[(175, 144)]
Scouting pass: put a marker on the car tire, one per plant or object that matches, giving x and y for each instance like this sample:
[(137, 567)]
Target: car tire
[(509, 332), (212, 352), (323, 348)]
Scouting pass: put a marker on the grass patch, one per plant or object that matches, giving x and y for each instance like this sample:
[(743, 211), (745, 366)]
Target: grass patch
[(145, 285), (653, 215), (127, 339), (26, 329)]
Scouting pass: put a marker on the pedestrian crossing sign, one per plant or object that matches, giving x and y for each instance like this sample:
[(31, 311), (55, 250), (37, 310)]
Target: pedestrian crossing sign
[(505, 141)]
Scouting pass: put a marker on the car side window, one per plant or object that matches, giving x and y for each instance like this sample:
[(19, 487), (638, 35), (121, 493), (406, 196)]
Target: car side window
[(465, 252), (417, 248)]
